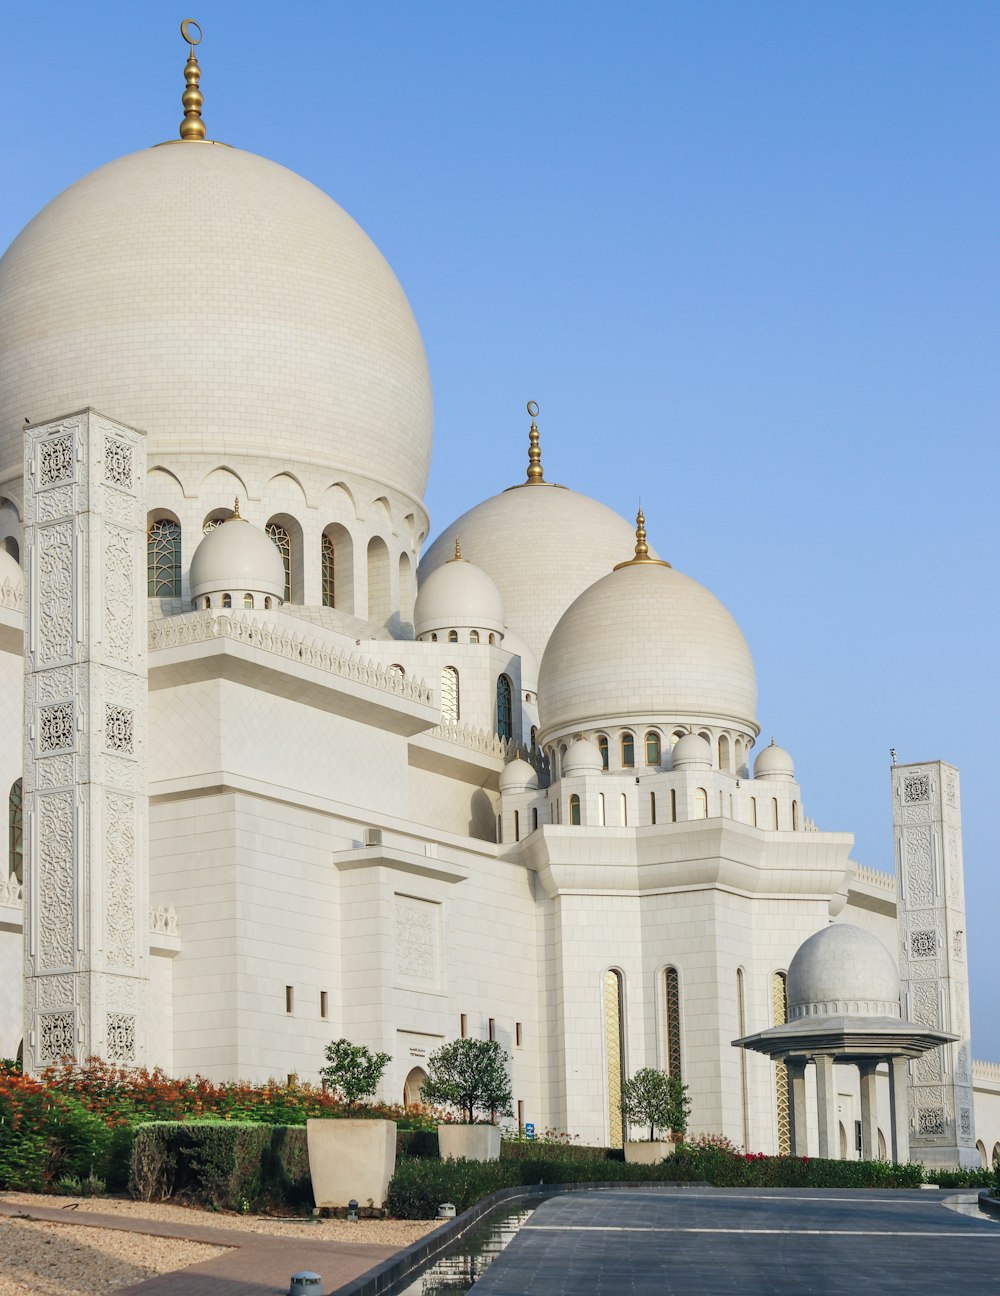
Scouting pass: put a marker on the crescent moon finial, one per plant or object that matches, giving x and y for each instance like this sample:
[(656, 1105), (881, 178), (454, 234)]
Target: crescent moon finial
[(192, 127)]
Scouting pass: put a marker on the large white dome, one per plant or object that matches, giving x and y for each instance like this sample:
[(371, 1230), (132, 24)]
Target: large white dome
[(223, 304), (646, 644), (542, 544)]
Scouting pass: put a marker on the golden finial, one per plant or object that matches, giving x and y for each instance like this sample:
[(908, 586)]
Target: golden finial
[(236, 510), (535, 475), (458, 551), (192, 127), (641, 547)]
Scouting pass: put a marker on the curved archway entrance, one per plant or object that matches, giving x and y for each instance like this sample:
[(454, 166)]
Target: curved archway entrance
[(412, 1085)]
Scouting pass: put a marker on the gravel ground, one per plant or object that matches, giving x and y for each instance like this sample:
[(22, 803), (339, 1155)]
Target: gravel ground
[(70, 1260), (390, 1233)]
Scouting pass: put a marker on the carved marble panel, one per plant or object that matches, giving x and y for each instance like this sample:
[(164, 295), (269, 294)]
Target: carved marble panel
[(930, 1120), (56, 1036), (120, 913), (54, 685), (54, 619), (55, 992), (55, 880), (417, 941), (56, 460), (56, 728), (54, 504), (119, 728), (916, 787), (119, 596), (120, 1041), (919, 867), (923, 944), (117, 462)]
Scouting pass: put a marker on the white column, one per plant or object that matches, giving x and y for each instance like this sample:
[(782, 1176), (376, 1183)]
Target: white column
[(86, 902), (899, 1112), (797, 1105), (826, 1102), (869, 1109)]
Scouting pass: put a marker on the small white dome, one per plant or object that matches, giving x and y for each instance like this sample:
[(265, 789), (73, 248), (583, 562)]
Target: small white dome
[(582, 757), (458, 595), (646, 645), (518, 776), (842, 971), (237, 558), (774, 762), (691, 752), (10, 571)]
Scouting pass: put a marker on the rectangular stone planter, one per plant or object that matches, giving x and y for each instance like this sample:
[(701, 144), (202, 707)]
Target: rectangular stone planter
[(474, 1142), (350, 1159), (648, 1153)]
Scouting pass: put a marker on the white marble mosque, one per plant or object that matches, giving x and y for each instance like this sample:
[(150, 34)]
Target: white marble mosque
[(264, 791)]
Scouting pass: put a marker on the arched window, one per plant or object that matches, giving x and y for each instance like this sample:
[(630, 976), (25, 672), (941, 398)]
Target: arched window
[(534, 738), (652, 807), (738, 755), (574, 810), (493, 640), (624, 809), (983, 1159), (163, 559), (600, 809), (505, 711), (534, 818), (434, 638), (414, 1082), (499, 830), (779, 1012), (13, 548), (283, 542), (267, 603), (652, 748), (753, 811), (723, 752), (673, 805), (396, 672), (473, 636), (614, 1049), (450, 709), (227, 600), (774, 813), (628, 751), (208, 600), (672, 1020), (248, 600), (995, 1158), (700, 803), (379, 586), (328, 570), (795, 816), (15, 830), (741, 1023), (602, 747), (517, 826), (453, 636)]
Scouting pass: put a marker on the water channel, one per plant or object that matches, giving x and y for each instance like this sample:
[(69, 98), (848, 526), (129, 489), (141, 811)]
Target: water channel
[(470, 1256)]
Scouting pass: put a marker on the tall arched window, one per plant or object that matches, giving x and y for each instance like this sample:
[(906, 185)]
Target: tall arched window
[(248, 600), (227, 600), (450, 710), (534, 738), (379, 587), (774, 813), (15, 830), (741, 1022), (163, 559), (779, 1011), (328, 570), (652, 748), (283, 541), (672, 1020), (600, 809), (614, 1047), (700, 803), (723, 752), (628, 750), (574, 810), (602, 747), (453, 636), (624, 810), (753, 811), (652, 807), (795, 816), (505, 710), (473, 636)]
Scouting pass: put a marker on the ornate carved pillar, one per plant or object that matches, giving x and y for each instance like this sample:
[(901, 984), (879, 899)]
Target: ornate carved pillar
[(797, 1105), (899, 1110), (86, 892), (826, 1102), (869, 1109), (933, 965)]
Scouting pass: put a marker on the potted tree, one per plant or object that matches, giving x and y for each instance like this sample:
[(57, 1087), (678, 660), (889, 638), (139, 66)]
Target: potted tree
[(470, 1075), (660, 1101), (351, 1157)]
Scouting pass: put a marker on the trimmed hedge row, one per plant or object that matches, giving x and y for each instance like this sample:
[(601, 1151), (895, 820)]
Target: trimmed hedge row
[(228, 1165), (419, 1186), (544, 1150)]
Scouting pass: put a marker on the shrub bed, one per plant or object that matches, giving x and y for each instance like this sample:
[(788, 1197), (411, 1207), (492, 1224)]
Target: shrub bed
[(226, 1165), (419, 1186)]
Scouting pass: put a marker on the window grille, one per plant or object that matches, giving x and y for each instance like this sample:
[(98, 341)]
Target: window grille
[(283, 542), (163, 559)]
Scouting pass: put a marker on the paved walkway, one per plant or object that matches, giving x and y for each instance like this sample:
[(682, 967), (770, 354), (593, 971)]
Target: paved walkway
[(258, 1264), (722, 1242)]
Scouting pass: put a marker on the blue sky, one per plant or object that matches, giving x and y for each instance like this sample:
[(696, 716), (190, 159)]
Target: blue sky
[(745, 257)]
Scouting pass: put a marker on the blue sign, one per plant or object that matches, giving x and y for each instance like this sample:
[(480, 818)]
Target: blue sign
[(529, 1130)]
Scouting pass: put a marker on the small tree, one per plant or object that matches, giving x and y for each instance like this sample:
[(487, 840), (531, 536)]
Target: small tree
[(469, 1074), (353, 1070), (656, 1099)]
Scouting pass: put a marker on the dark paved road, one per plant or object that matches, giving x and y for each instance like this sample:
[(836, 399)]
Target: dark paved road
[(832, 1243)]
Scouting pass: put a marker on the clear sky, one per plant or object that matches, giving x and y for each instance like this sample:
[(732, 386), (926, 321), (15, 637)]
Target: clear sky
[(745, 258)]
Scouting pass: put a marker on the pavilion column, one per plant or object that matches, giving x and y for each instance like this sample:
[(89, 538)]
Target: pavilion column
[(869, 1109), (826, 1102), (797, 1104), (899, 1110)]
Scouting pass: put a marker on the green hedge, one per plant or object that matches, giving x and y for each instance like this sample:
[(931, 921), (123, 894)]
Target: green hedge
[(419, 1186), (542, 1150), (229, 1165)]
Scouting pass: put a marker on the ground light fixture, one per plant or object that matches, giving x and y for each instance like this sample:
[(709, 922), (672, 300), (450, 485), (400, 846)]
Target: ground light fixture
[(306, 1283), (352, 1210)]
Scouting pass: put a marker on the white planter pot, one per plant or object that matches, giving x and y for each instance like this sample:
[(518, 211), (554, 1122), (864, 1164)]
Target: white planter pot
[(350, 1159), (474, 1142), (647, 1153)]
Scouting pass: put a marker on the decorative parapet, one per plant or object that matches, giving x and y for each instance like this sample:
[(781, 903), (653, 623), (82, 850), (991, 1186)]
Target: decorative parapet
[(988, 1071), (875, 877), (476, 740), (12, 893), (12, 596), (260, 632), (163, 920), (809, 825)]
